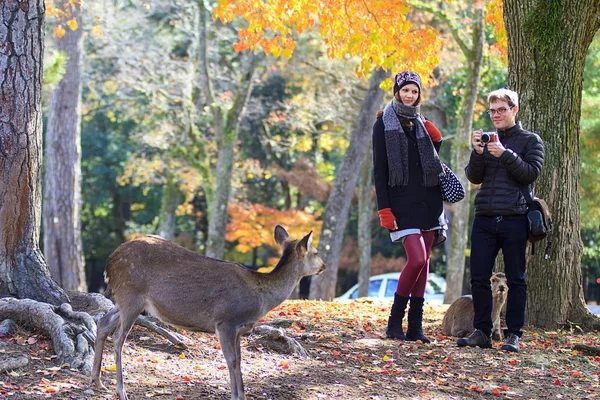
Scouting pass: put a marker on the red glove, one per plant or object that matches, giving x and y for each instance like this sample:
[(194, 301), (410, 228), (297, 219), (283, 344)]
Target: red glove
[(387, 219), (434, 133)]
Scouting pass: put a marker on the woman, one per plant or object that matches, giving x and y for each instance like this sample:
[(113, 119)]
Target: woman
[(407, 169)]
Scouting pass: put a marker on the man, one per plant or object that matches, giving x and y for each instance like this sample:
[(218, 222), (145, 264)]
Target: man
[(505, 167)]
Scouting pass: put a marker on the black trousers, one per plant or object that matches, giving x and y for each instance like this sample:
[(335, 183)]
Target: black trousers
[(489, 235)]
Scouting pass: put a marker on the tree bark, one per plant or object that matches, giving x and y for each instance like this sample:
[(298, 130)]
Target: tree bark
[(23, 271), (547, 46), (365, 219), (336, 214), (462, 209), (170, 201), (62, 190)]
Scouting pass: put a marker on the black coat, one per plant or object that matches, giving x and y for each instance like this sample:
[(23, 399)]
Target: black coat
[(501, 177), (413, 205)]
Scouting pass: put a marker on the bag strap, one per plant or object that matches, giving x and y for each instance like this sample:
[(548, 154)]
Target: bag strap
[(527, 195)]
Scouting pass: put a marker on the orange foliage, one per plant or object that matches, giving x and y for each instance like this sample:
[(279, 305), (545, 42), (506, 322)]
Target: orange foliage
[(306, 178), (494, 17), (377, 31), (252, 225), (65, 13)]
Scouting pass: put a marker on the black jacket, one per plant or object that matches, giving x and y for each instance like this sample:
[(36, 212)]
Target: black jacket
[(414, 205), (501, 177)]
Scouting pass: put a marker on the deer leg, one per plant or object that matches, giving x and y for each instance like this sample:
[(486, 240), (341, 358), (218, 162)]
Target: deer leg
[(230, 345), (106, 325), (128, 316), (238, 379)]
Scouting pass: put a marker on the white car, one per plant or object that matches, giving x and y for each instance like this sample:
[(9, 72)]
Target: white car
[(383, 287)]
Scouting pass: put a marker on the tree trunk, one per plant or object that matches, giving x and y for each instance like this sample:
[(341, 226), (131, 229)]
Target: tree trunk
[(23, 271), (547, 46), (336, 214), (170, 201), (365, 219), (62, 190), (462, 209)]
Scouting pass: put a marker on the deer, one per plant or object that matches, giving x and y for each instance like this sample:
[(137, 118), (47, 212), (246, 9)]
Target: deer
[(196, 293), (458, 320)]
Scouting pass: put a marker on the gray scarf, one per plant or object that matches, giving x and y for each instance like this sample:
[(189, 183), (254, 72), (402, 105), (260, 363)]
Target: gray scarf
[(396, 144)]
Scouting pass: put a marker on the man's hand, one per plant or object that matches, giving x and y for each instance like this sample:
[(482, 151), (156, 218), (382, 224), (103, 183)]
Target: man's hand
[(495, 148), (476, 141)]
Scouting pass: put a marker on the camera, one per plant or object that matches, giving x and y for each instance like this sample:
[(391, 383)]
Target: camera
[(487, 137)]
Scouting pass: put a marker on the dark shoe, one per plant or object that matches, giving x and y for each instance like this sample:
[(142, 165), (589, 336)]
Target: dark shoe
[(511, 343), (394, 328), (477, 338), (415, 321)]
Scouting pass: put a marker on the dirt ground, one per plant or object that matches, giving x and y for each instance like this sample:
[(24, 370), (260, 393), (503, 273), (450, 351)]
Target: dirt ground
[(350, 359)]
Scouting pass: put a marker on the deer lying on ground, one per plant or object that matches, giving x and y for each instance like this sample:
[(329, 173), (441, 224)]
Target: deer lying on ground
[(197, 293), (458, 320)]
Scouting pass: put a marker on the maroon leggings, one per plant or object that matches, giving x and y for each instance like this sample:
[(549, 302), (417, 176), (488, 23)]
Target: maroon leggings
[(413, 278)]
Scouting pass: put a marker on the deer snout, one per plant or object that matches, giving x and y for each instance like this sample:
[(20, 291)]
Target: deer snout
[(322, 269), (501, 288)]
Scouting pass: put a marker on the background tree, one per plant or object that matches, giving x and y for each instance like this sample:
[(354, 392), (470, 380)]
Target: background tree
[(226, 125), (62, 190), (547, 46)]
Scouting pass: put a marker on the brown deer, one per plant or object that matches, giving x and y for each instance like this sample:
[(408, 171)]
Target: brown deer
[(458, 320), (197, 293)]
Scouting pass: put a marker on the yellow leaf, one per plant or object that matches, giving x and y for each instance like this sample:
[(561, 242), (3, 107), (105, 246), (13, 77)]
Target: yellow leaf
[(72, 24), (112, 367), (182, 355)]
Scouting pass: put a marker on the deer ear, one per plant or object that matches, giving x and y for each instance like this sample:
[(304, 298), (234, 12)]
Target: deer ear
[(281, 235), (304, 244)]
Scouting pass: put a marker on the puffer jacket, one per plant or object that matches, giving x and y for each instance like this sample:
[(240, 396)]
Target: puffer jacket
[(501, 177)]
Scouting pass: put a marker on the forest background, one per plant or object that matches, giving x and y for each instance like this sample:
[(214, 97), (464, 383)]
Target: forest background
[(149, 148), (160, 119)]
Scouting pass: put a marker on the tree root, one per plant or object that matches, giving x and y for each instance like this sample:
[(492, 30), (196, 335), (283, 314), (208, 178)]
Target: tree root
[(71, 331), (587, 349), (276, 340), (97, 305), (12, 357)]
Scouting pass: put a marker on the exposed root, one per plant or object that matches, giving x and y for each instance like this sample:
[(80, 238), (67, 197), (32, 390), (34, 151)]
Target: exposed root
[(587, 349), (70, 331), (276, 340), (12, 357), (97, 305)]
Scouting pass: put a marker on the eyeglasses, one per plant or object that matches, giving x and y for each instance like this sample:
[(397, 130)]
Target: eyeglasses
[(499, 111)]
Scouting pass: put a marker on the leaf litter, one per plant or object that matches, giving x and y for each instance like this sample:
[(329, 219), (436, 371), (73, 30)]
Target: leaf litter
[(349, 359)]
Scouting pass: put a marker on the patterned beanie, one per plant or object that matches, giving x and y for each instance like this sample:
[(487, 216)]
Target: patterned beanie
[(404, 78)]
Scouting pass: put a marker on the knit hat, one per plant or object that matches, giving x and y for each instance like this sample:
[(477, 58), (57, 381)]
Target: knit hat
[(404, 78)]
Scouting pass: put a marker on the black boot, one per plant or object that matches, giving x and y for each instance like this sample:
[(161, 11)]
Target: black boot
[(415, 321), (394, 328)]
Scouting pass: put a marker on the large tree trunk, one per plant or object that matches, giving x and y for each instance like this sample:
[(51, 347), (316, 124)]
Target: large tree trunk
[(462, 209), (62, 189), (226, 127), (547, 46), (365, 219), (23, 271), (336, 214)]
